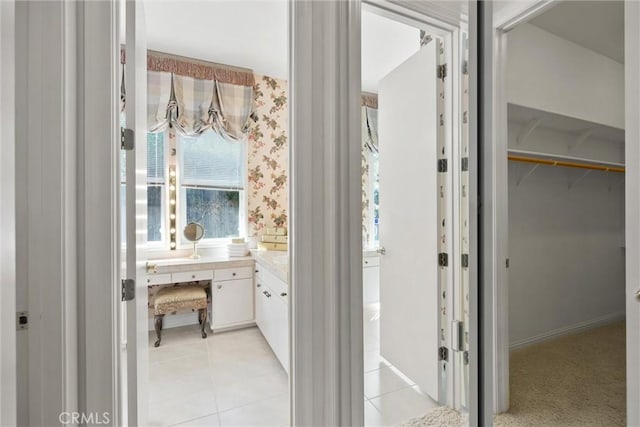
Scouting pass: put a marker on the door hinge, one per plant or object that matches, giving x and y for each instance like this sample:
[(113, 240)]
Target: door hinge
[(442, 165), (22, 320), (443, 354), (457, 327), (506, 263), (128, 289), (465, 164), (442, 71), (465, 67), (465, 260), (443, 259), (126, 139), (465, 357)]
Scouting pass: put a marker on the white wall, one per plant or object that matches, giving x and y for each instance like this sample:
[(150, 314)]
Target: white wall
[(565, 245), (552, 74)]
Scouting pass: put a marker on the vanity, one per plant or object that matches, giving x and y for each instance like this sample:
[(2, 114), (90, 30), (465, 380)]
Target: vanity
[(244, 291), (228, 282)]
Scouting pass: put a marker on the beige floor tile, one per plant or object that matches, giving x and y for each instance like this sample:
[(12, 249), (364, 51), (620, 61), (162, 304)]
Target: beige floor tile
[(383, 381), (373, 361), (372, 417), (208, 421), (402, 405), (269, 412), (241, 393), (183, 407)]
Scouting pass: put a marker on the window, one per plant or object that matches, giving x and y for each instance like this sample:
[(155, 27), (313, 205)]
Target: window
[(374, 180), (211, 178), (155, 189)]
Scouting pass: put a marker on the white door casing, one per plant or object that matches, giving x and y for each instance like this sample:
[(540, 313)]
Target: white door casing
[(632, 205), (137, 351), (407, 126)]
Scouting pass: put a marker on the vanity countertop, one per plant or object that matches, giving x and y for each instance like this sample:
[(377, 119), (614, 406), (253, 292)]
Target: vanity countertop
[(166, 265), (277, 262)]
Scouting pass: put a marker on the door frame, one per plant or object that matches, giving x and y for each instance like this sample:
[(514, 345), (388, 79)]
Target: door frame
[(632, 204), (505, 20), (431, 19), (8, 362)]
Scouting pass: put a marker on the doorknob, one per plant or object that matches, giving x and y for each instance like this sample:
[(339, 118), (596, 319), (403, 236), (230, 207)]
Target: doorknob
[(381, 250), (638, 294)]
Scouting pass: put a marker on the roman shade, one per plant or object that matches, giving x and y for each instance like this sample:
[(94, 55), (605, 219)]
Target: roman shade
[(193, 96)]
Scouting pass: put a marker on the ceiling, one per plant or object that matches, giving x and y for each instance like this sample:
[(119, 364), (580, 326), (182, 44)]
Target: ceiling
[(253, 34), (248, 33), (595, 25), (385, 45)]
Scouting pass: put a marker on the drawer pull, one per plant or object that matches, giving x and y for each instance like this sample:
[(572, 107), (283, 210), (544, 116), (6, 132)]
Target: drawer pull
[(258, 285), (234, 274), (219, 286), (257, 271), (284, 294), (193, 276)]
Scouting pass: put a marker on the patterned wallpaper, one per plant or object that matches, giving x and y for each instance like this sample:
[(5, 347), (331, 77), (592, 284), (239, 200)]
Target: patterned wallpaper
[(268, 157)]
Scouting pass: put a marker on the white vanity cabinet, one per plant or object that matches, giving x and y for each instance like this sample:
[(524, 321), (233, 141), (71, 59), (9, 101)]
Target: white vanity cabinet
[(272, 312), (232, 297), (371, 279)]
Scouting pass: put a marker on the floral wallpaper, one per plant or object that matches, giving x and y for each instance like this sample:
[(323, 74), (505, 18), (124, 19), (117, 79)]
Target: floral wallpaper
[(366, 185), (268, 157)]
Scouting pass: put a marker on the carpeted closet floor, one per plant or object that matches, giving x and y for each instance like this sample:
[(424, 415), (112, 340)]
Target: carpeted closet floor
[(576, 380)]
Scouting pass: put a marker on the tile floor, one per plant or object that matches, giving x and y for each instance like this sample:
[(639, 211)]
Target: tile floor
[(234, 379)]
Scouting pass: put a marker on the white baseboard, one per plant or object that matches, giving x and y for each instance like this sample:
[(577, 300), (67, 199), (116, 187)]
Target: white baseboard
[(568, 330)]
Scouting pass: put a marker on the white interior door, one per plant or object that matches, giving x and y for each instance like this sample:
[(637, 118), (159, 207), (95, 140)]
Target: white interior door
[(407, 127), (135, 364)]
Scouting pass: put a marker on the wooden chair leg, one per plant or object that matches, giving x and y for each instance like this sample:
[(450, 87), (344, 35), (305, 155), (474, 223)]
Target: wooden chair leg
[(158, 325), (203, 321)]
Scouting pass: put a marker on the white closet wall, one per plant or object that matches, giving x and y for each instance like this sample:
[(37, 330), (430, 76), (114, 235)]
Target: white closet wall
[(552, 74), (565, 244)]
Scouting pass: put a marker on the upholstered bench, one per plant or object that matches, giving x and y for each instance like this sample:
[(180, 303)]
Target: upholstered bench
[(174, 298)]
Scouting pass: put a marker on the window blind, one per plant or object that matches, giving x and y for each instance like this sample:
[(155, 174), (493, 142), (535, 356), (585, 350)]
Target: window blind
[(210, 160), (155, 157)]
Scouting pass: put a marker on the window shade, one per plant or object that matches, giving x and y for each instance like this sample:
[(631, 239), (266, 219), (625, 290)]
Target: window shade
[(210, 160), (155, 157)]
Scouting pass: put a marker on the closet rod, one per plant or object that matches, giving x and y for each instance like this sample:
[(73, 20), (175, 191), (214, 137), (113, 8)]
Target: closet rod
[(552, 162)]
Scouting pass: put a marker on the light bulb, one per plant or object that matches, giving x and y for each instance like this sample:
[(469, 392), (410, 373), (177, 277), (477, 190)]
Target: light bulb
[(173, 202), (172, 216)]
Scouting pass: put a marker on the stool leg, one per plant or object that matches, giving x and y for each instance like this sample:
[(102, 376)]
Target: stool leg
[(158, 325), (203, 321)]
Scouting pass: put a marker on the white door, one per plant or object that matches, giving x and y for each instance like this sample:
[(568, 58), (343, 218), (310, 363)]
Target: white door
[(407, 127), (135, 364)]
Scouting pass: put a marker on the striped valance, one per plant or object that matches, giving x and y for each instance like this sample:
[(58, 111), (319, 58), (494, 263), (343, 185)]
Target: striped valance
[(370, 121), (194, 95)]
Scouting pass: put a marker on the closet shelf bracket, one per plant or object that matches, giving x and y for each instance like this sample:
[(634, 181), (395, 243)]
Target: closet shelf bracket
[(584, 135), (527, 174), (580, 178), (528, 130)]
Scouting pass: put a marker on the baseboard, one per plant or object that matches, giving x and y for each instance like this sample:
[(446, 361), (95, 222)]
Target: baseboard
[(568, 330)]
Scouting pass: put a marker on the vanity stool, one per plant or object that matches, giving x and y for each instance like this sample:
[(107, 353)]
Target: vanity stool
[(174, 298)]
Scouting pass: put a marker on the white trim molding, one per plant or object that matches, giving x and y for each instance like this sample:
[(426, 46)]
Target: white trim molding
[(569, 330), (46, 140), (98, 156), (8, 362), (326, 247), (632, 204)]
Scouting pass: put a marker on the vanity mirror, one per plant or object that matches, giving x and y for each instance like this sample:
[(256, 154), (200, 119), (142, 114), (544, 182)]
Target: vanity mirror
[(193, 232)]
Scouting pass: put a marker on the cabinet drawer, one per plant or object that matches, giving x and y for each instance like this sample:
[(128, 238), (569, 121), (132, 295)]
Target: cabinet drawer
[(234, 273), (372, 261), (158, 279), (189, 276)]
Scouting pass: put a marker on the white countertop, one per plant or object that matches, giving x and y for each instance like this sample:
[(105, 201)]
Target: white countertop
[(277, 262), (204, 263)]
